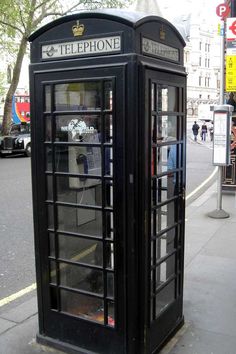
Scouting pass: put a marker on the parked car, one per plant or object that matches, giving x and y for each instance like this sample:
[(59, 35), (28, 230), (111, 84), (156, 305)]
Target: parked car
[(17, 142)]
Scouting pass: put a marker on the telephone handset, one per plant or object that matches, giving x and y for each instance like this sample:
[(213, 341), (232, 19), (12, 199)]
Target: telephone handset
[(82, 159)]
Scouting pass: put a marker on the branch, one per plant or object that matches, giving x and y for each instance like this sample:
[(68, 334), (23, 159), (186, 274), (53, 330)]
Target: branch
[(44, 3), (42, 16), (21, 17), (11, 26)]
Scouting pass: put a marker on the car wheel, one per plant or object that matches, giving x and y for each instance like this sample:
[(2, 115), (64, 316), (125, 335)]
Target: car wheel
[(28, 150)]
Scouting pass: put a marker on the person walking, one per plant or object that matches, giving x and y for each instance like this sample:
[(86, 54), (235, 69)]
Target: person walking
[(195, 129), (232, 101), (211, 130), (204, 131)]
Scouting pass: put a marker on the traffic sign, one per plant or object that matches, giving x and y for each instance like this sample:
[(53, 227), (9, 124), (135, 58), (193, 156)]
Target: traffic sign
[(231, 29), (222, 10), (230, 73)]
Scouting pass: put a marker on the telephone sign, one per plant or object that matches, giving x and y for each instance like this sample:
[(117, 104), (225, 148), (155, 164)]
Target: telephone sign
[(222, 10)]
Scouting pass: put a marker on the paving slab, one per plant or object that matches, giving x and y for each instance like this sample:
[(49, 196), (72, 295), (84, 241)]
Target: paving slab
[(22, 311), (5, 325), (198, 341)]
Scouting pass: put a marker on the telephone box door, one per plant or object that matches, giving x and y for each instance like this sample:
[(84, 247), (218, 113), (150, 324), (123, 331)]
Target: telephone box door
[(165, 135), (79, 175)]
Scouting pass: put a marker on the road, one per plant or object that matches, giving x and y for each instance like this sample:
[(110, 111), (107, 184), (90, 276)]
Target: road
[(199, 164), (17, 265)]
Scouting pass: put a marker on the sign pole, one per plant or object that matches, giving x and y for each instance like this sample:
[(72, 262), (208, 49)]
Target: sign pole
[(219, 213)]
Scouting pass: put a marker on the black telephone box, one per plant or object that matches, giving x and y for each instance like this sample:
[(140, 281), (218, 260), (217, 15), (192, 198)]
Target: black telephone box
[(108, 170)]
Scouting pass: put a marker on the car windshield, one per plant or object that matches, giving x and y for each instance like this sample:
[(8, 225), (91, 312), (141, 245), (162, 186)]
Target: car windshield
[(20, 129)]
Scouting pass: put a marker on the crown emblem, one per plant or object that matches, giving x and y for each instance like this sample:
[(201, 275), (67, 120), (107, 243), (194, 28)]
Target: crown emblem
[(162, 33), (78, 29)]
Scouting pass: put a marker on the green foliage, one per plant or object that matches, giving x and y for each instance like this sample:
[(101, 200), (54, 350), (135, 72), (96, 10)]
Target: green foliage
[(19, 18), (2, 84), (91, 4)]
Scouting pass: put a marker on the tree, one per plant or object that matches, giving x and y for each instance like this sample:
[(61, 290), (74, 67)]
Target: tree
[(19, 18)]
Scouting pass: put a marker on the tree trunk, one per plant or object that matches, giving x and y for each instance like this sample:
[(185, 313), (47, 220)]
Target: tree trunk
[(7, 113)]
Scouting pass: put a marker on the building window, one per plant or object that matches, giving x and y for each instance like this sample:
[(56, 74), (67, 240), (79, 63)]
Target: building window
[(200, 45), (186, 54), (200, 61), (206, 47), (207, 81), (208, 97), (200, 81), (200, 96), (205, 62), (208, 63)]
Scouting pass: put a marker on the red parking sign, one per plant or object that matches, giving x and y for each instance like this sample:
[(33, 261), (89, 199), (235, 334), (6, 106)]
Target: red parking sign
[(223, 10)]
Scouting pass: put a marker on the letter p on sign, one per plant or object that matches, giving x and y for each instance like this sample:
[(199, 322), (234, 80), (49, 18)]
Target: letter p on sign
[(222, 10)]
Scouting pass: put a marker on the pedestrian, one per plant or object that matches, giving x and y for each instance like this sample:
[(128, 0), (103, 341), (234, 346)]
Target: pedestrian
[(211, 130), (204, 131), (195, 129), (232, 101)]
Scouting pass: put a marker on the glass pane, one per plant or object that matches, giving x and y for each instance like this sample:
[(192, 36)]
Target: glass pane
[(153, 97), (51, 244), (47, 107), (164, 188), (78, 96), (110, 255), (164, 245), (110, 285), (108, 95), (48, 128), (166, 158), (165, 297), (81, 250), (108, 128), (108, 161), (78, 128), (49, 187), (109, 193), (79, 160), (81, 278), (165, 216), (168, 98), (81, 221), (163, 101), (83, 306), (111, 314), (50, 215), (109, 225), (154, 130), (48, 158), (162, 157), (166, 128), (52, 272), (86, 191)]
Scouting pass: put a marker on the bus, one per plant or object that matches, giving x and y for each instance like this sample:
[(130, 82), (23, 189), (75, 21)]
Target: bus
[(21, 108)]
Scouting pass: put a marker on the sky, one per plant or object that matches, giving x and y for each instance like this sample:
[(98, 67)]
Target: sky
[(178, 7)]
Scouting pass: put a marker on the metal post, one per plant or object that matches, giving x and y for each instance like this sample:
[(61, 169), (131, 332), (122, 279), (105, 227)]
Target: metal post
[(219, 213)]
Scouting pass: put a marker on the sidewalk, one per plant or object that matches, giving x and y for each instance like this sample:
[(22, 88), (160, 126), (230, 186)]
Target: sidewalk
[(209, 295)]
